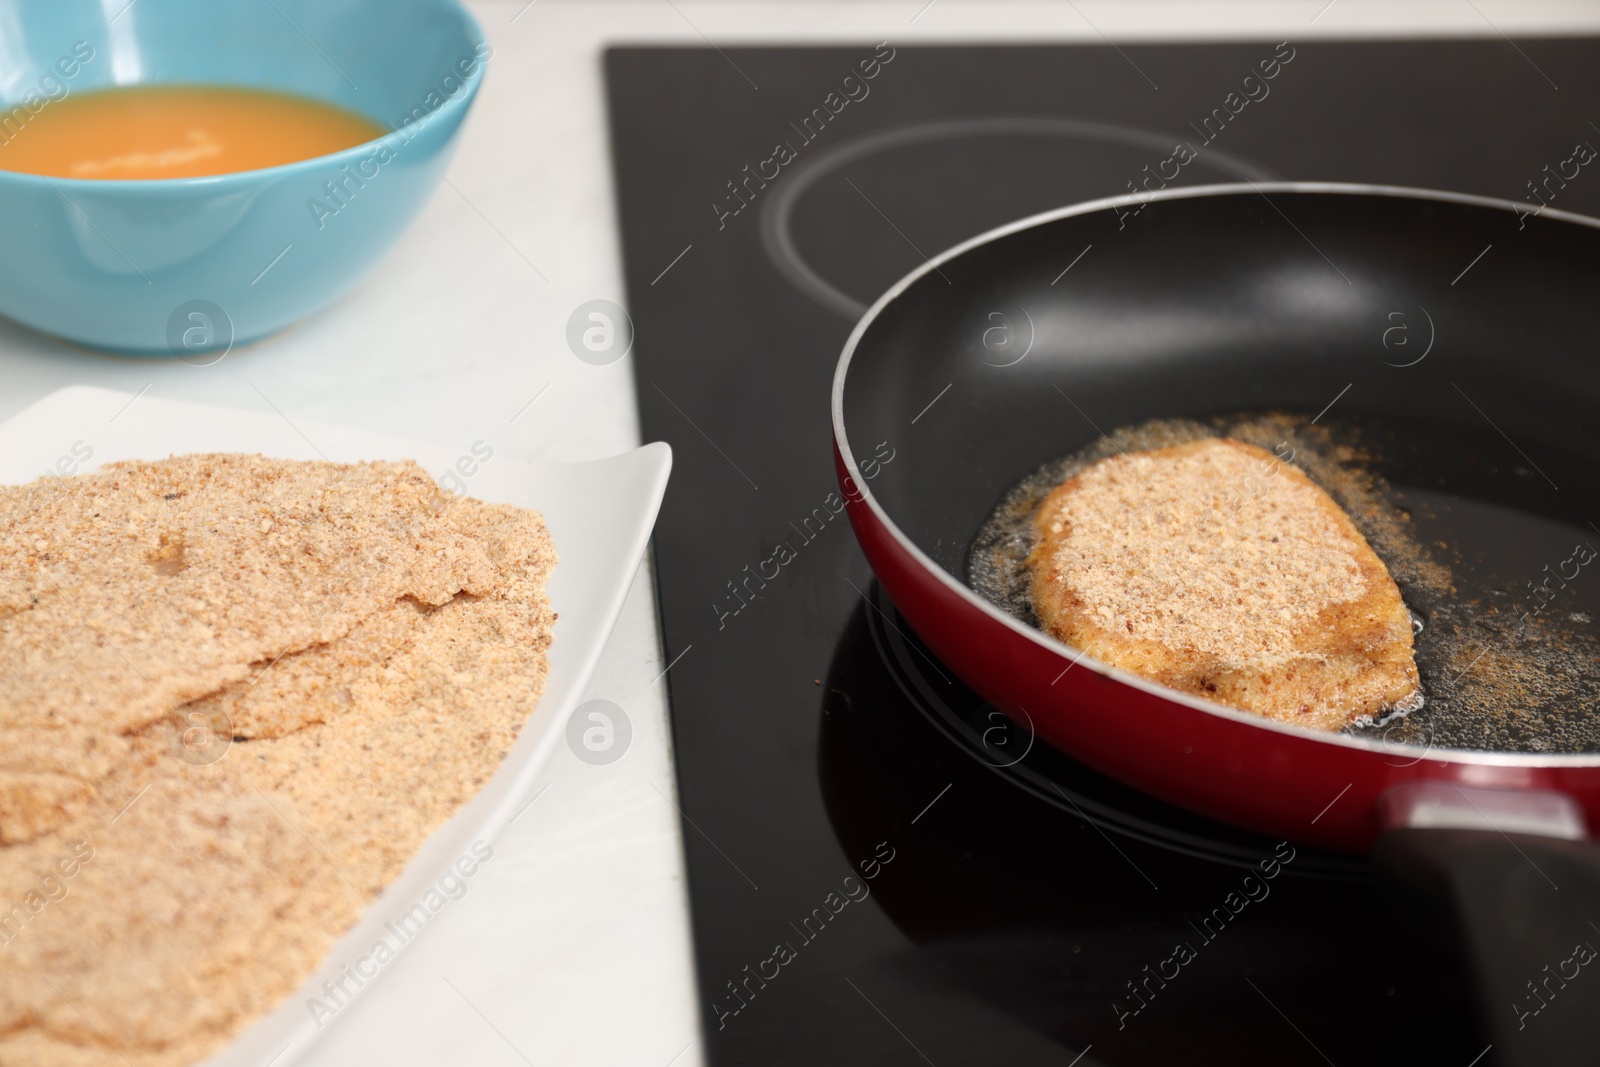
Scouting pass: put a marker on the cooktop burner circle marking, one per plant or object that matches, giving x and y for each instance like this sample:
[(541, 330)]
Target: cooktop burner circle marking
[(777, 236)]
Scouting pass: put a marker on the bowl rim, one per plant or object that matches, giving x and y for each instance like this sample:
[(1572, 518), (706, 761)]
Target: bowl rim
[(454, 108), (866, 498)]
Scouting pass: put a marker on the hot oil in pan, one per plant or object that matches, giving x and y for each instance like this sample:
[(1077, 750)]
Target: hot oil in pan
[(1504, 588)]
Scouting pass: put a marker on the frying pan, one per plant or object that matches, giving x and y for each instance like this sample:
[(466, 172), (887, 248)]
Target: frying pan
[(1027, 342)]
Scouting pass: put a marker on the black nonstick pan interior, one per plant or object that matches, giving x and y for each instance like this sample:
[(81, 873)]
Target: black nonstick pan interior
[(1450, 339)]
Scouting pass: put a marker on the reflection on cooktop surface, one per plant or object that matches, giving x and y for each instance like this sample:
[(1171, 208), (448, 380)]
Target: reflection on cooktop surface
[(1136, 929)]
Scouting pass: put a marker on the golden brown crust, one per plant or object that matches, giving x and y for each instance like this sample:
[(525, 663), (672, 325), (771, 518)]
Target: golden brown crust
[(1218, 569), (373, 644)]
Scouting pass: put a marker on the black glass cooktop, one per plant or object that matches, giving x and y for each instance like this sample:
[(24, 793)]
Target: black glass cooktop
[(882, 869)]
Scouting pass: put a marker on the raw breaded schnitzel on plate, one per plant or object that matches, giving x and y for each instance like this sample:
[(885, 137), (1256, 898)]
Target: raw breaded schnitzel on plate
[(272, 689)]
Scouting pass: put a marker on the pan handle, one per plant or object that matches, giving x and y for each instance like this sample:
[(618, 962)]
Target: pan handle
[(1524, 907)]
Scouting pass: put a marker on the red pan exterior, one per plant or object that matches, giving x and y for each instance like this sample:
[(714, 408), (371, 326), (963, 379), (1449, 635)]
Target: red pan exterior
[(1287, 783)]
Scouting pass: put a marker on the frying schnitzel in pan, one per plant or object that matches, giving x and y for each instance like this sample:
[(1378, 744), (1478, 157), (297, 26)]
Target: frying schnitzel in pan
[(1216, 568)]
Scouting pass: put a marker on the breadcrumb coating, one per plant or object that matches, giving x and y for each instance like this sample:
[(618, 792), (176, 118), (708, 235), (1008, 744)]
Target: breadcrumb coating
[(1216, 568), (239, 694)]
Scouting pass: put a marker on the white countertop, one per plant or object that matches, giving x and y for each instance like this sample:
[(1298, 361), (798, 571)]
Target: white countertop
[(573, 946)]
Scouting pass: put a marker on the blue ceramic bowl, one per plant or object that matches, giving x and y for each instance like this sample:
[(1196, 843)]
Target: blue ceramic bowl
[(189, 266)]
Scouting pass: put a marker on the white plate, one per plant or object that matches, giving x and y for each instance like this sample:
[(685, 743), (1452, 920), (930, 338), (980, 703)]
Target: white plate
[(599, 514)]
